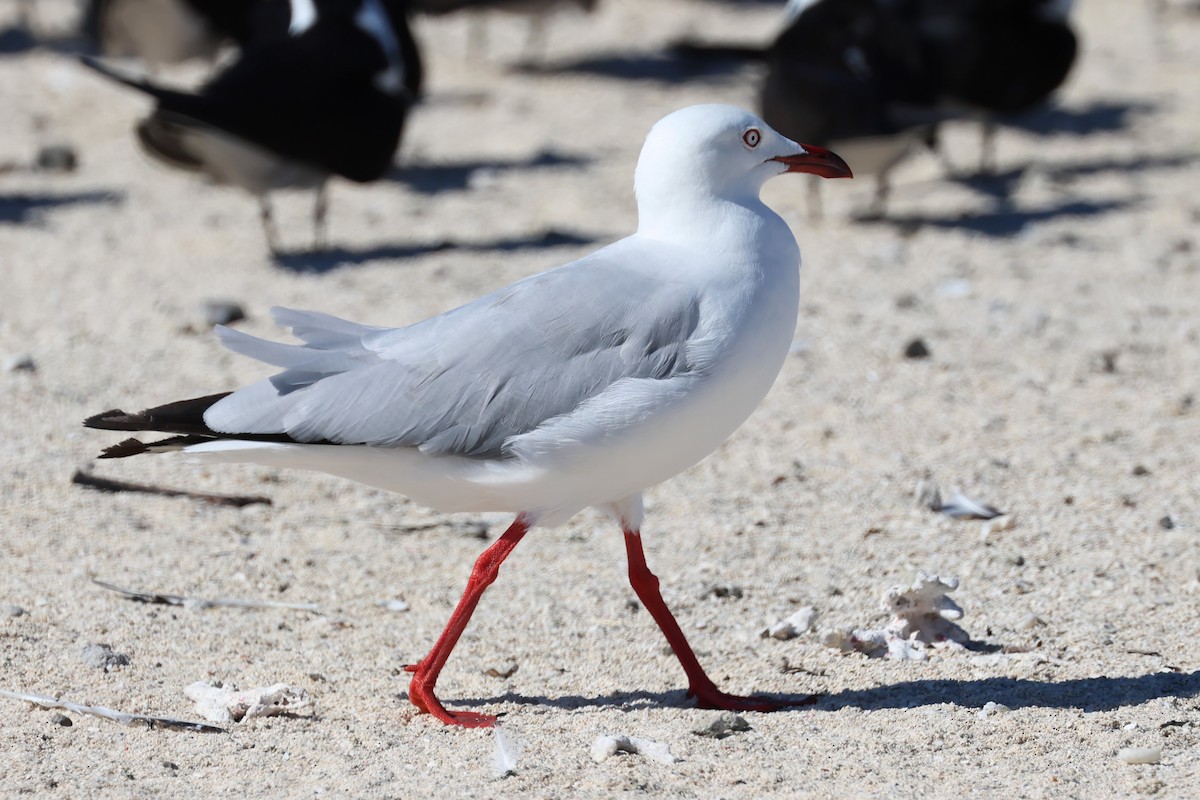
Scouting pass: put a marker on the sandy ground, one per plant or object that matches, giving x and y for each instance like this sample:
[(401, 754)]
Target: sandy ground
[(1058, 302)]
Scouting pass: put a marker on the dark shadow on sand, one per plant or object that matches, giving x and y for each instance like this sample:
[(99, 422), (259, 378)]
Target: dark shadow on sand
[(1003, 222), (323, 261), (1002, 185), (22, 208), (17, 40), (672, 67), (1099, 117), (433, 178), (1086, 694)]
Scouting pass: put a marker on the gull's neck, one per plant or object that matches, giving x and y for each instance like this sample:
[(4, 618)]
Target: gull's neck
[(693, 216), (681, 203)]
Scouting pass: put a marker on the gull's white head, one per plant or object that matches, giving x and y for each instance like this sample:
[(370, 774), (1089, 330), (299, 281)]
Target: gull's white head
[(718, 151)]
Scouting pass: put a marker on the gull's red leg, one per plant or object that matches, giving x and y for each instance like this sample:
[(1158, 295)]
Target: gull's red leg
[(425, 674), (707, 695)]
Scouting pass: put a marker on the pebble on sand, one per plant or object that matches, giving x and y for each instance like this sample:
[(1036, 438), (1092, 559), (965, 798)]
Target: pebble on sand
[(221, 312), (916, 349), (724, 724), (394, 604), (20, 363), (1140, 755), (57, 158), (102, 656)]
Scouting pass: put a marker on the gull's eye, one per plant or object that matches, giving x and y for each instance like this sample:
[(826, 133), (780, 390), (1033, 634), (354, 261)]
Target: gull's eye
[(752, 137)]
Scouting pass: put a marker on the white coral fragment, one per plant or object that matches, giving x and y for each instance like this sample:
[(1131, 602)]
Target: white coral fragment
[(224, 703), (802, 621), (1003, 522), (922, 617), (610, 745), (991, 709)]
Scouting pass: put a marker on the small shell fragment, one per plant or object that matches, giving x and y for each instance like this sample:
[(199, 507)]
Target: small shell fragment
[(1003, 522), (394, 604), (991, 709), (606, 746), (961, 506), (1029, 621), (1140, 755), (802, 621)]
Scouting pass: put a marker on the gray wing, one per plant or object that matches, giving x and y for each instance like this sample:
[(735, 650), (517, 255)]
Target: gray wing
[(468, 380)]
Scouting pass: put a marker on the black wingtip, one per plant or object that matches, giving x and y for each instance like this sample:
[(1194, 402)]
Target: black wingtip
[(135, 447), (113, 420), (129, 447)]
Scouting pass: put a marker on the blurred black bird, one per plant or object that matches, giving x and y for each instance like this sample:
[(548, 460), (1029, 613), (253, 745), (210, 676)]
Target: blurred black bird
[(874, 78), (172, 31), (850, 74), (536, 11), (329, 97), (994, 57)]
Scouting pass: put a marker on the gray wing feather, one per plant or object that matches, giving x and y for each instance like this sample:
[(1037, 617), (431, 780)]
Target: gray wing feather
[(323, 331), (468, 380)]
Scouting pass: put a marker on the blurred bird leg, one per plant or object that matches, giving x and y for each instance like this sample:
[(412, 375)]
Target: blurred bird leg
[(268, 223), (321, 217), (987, 147), (816, 210)]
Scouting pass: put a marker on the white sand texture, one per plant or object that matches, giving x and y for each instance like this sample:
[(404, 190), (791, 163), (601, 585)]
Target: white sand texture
[(1059, 302)]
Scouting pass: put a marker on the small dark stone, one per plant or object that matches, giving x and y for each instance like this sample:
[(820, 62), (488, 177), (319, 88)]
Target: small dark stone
[(1140, 471), (725, 724), (20, 363), (1108, 361), (916, 349), (57, 158), (222, 312), (1166, 523), (171, 765), (62, 719), (726, 591), (102, 656)]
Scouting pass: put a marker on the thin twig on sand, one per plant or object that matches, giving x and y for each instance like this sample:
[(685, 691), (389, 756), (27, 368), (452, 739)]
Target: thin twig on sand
[(120, 717)]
